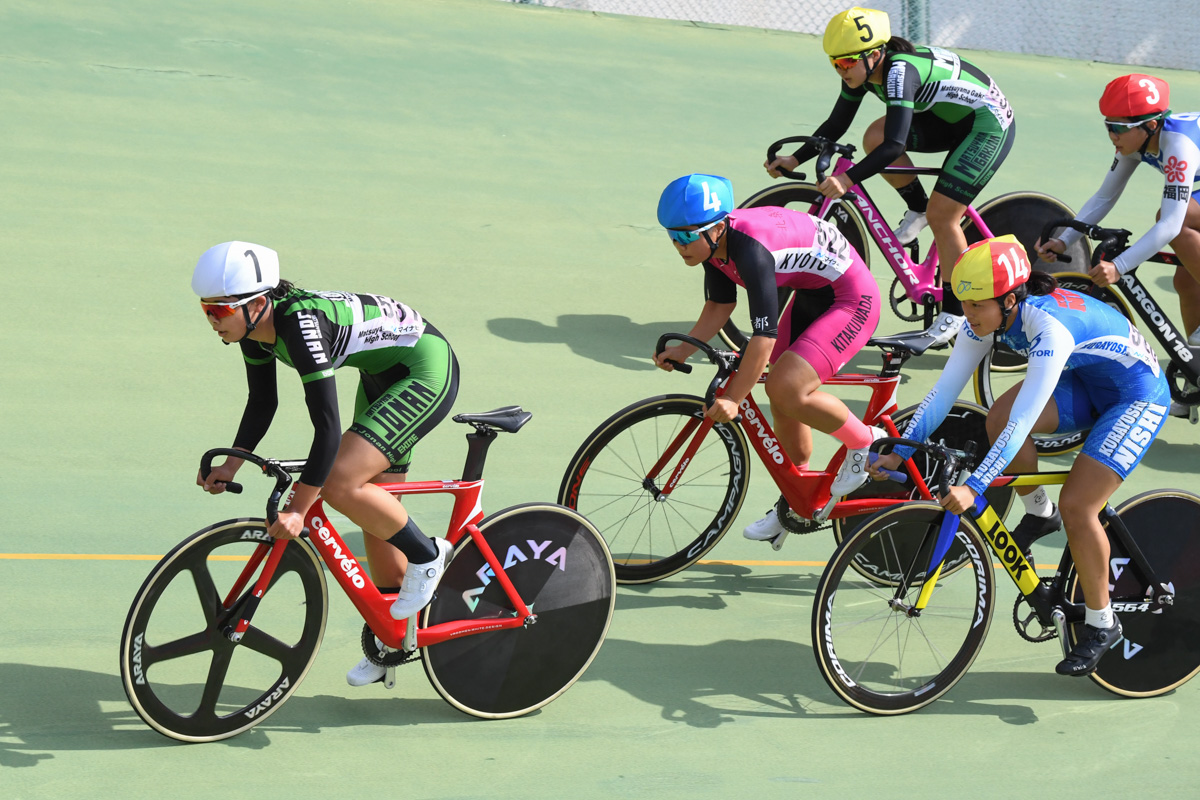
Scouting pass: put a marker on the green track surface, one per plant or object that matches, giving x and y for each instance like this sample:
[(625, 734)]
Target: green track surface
[(497, 167)]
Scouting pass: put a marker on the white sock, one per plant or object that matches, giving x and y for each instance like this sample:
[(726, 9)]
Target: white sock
[(1099, 619), (1038, 503)]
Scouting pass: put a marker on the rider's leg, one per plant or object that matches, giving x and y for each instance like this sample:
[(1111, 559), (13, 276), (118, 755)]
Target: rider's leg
[(872, 138), (907, 186), (1083, 496)]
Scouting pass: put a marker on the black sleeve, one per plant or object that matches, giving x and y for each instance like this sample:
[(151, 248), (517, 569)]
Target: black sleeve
[(717, 285), (902, 84), (262, 399), (321, 398), (838, 123), (756, 267)]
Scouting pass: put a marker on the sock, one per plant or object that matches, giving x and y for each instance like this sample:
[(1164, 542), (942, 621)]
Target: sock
[(950, 303), (914, 196), (854, 434), (409, 540), (1099, 619), (1038, 503)]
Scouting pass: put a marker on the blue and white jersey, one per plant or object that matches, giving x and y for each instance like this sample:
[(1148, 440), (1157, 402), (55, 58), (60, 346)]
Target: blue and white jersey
[(1056, 332), (1178, 159)]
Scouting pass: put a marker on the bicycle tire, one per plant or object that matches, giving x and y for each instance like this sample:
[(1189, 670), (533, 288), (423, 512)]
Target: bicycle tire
[(163, 631), (800, 197), (1161, 650), (606, 482), (872, 654), (965, 422), (561, 568), (987, 387)]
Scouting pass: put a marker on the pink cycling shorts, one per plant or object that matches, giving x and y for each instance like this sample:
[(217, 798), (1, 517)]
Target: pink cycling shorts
[(827, 326)]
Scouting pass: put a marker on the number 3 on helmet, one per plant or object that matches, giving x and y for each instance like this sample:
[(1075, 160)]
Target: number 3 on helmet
[(855, 31), (1135, 96)]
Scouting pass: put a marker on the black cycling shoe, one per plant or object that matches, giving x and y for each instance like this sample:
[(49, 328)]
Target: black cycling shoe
[(1085, 655), (1032, 527)]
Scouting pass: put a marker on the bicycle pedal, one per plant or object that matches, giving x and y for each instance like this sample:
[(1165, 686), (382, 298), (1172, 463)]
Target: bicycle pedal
[(389, 678)]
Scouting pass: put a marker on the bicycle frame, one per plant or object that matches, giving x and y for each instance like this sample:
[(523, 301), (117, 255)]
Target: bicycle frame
[(1186, 358), (371, 604), (922, 282), (806, 491)]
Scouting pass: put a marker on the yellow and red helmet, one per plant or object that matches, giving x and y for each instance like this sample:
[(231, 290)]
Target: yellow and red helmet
[(990, 269)]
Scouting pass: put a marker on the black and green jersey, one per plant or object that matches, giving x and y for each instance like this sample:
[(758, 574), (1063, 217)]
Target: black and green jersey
[(935, 102), (316, 333)]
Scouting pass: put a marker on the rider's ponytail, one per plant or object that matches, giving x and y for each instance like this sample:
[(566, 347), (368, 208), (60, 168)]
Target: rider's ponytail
[(899, 45)]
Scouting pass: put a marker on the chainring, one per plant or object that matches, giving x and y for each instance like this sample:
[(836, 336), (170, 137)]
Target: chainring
[(1181, 391), (793, 522), (897, 296), (380, 658), (1023, 625)]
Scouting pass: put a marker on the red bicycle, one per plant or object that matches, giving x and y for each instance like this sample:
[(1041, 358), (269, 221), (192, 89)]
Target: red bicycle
[(229, 622), (663, 483)]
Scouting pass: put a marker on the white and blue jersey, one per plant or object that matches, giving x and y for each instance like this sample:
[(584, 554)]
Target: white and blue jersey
[(1178, 159), (1084, 355)]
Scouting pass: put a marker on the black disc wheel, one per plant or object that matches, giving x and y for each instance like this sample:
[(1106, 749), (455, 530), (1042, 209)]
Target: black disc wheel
[(875, 648), (618, 477), (562, 570), (806, 198), (1161, 650), (181, 673)]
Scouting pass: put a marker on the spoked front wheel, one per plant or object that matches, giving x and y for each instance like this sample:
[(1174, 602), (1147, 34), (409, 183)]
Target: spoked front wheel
[(562, 570), (180, 672), (617, 479), (875, 648), (1161, 649)]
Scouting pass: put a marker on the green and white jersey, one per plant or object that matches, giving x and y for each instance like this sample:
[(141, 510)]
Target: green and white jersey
[(938, 82), (318, 332)]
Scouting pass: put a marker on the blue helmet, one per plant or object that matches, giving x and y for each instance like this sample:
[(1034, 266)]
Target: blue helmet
[(695, 200)]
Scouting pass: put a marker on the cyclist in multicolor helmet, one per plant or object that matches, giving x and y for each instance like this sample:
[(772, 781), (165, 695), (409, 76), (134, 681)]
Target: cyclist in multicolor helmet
[(408, 379), (936, 102), (1138, 118), (834, 312), (1088, 367)]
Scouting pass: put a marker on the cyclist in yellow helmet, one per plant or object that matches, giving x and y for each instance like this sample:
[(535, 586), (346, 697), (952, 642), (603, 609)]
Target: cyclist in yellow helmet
[(936, 102), (1088, 367)]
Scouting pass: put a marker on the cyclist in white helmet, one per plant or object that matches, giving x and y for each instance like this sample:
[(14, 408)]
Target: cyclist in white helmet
[(408, 378)]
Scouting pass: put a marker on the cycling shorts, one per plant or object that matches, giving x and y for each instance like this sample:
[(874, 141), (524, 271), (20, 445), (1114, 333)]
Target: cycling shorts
[(394, 409), (977, 146), (827, 329), (1124, 421)]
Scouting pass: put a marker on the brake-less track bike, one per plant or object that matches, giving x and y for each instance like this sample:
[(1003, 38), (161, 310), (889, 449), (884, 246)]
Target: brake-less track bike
[(229, 622), (663, 483), (901, 640)]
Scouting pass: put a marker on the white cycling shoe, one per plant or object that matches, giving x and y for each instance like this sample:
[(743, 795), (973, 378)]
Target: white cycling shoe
[(766, 528), (420, 582), (944, 328), (853, 473), (912, 223), (364, 672)]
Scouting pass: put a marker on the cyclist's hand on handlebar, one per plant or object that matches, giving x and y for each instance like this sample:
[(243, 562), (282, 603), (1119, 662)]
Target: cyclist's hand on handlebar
[(216, 480), (722, 410), (958, 499), (889, 462), (786, 162), (1105, 274), (1050, 250), (834, 186), (289, 525), (676, 352)]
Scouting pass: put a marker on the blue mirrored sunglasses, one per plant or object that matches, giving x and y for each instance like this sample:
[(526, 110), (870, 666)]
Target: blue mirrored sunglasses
[(687, 237), (1120, 127)]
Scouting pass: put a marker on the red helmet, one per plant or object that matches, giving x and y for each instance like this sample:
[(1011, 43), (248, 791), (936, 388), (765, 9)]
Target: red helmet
[(1135, 96)]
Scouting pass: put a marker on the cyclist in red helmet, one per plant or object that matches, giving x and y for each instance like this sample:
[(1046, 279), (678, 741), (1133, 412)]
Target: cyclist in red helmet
[(1142, 128)]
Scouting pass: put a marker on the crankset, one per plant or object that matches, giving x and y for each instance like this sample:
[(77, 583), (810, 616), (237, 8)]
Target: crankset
[(1026, 620), (385, 657)]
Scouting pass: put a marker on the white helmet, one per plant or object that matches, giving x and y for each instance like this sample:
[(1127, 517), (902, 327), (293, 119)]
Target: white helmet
[(235, 269)]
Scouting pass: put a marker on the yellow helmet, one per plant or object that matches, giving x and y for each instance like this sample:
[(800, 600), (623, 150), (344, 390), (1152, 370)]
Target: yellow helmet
[(990, 269), (856, 31)]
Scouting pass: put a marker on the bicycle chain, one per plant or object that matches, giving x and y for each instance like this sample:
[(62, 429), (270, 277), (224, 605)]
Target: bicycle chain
[(1031, 619), (392, 658)]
